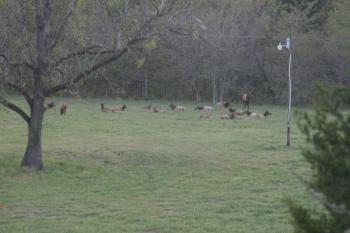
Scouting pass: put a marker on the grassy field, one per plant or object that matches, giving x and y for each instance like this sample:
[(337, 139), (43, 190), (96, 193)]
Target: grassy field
[(138, 171)]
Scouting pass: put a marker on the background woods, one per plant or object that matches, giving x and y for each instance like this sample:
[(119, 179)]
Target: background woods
[(220, 49), (204, 50)]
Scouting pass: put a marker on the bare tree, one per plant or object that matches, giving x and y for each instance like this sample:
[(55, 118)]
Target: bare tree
[(50, 57)]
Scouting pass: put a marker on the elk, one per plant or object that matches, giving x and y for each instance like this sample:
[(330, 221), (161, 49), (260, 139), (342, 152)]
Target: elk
[(206, 116), (207, 108), (225, 117), (223, 104), (104, 109), (119, 108), (172, 106), (149, 107), (49, 104), (157, 110), (260, 115), (177, 108), (239, 112), (246, 99), (63, 109), (198, 107), (180, 108)]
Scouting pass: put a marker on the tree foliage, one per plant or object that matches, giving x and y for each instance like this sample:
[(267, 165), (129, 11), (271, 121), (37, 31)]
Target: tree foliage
[(327, 130)]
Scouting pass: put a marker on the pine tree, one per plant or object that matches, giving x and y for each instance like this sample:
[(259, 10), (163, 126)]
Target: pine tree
[(327, 130)]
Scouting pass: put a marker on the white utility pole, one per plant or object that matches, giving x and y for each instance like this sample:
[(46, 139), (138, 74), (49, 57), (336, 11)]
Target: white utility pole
[(289, 46)]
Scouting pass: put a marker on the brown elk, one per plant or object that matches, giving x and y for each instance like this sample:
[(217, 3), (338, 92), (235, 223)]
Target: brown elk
[(246, 99), (63, 109), (49, 104)]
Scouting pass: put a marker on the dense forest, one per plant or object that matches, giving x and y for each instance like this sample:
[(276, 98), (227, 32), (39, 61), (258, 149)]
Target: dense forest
[(201, 50)]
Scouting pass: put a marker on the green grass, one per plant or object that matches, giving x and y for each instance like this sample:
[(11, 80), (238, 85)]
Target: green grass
[(138, 171)]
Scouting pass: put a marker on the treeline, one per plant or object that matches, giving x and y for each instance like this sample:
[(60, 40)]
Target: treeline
[(230, 48), (217, 50)]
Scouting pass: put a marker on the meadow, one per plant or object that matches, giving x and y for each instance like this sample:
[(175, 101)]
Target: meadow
[(138, 171)]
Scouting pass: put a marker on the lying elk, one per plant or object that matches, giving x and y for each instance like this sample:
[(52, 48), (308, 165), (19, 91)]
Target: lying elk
[(177, 108), (119, 108), (206, 115), (157, 110), (180, 108), (104, 109), (172, 106), (199, 107), (223, 104), (239, 112), (260, 115), (50, 104)]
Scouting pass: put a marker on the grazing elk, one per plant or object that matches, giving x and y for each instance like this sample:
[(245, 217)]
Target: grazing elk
[(260, 115), (63, 109)]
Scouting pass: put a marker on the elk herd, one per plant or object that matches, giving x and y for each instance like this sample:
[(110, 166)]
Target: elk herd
[(226, 112), (208, 111)]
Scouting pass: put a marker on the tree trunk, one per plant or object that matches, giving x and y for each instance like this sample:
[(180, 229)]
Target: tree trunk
[(146, 85), (33, 154), (214, 88), (221, 89), (198, 96)]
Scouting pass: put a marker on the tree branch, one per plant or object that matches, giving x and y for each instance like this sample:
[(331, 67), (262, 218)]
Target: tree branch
[(22, 92), (163, 10), (65, 19), (83, 51), (84, 73), (16, 64), (155, 6), (15, 108)]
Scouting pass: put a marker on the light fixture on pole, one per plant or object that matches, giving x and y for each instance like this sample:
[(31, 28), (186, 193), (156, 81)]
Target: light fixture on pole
[(288, 46)]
